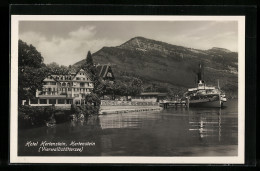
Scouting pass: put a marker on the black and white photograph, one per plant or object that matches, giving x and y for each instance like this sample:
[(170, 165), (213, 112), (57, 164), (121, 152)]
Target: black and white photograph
[(127, 89)]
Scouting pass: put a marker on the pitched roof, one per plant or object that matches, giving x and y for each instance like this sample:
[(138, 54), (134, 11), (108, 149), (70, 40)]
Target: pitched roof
[(66, 76), (103, 69)]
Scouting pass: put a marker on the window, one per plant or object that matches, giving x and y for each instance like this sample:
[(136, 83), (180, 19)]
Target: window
[(82, 84), (34, 101), (63, 84), (69, 101), (52, 101), (43, 101), (109, 74), (69, 89), (77, 78), (61, 101), (76, 95), (83, 78)]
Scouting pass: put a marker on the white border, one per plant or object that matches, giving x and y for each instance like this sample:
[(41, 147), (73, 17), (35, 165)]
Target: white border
[(151, 160)]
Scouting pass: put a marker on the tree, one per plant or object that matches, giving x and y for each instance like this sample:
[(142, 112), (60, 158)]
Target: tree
[(31, 71), (54, 68), (89, 67), (123, 89), (92, 103), (99, 84), (28, 56), (127, 86), (136, 86), (89, 59)]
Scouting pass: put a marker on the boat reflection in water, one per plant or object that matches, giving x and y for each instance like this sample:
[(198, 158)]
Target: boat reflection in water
[(207, 126), (170, 132)]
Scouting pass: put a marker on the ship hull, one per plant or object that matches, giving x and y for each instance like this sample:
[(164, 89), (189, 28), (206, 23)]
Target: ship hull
[(207, 104)]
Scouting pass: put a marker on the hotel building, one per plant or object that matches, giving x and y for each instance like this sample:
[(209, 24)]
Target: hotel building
[(64, 89)]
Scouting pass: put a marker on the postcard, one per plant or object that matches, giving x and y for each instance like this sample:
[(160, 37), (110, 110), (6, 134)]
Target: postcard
[(127, 89)]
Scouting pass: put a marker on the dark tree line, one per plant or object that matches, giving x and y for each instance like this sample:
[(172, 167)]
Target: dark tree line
[(31, 71)]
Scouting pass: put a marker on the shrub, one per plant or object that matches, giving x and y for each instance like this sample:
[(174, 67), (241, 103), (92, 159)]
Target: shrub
[(32, 116)]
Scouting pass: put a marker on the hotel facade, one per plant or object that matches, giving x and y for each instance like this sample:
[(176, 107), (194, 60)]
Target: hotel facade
[(64, 89)]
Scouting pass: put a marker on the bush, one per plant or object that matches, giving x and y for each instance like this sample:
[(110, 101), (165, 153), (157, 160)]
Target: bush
[(32, 116)]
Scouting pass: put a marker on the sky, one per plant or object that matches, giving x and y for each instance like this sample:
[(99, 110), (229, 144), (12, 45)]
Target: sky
[(67, 42)]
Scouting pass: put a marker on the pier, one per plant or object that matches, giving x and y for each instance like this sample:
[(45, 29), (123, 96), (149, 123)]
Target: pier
[(128, 110), (112, 107), (178, 103)]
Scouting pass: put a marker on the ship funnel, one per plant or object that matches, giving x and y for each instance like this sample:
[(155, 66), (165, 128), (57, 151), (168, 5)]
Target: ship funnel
[(200, 74)]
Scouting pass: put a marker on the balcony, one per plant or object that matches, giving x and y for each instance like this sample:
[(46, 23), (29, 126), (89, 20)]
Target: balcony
[(50, 94), (49, 83)]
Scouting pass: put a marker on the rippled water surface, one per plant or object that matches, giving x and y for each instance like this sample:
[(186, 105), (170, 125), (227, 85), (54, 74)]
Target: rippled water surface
[(171, 132)]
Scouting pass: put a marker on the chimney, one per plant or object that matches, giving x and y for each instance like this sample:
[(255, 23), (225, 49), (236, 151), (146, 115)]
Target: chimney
[(200, 73)]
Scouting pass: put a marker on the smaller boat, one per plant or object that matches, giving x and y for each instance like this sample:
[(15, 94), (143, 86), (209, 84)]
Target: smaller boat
[(51, 123), (223, 98)]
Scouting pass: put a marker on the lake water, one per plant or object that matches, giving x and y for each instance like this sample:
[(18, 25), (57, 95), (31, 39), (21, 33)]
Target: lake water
[(171, 132)]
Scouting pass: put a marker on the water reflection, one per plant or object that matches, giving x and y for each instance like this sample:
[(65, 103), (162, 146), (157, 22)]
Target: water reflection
[(171, 132), (88, 123), (206, 126), (127, 120)]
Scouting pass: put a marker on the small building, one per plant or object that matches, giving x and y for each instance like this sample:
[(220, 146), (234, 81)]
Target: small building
[(149, 97), (105, 71), (64, 89)]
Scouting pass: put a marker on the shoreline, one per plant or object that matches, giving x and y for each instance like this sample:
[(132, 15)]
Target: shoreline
[(125, 110)]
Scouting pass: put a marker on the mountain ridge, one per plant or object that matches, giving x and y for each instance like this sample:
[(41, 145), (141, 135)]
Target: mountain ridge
[(140, 38), (157, 62)]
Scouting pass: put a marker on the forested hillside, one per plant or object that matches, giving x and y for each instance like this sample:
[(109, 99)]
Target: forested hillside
[(165, 67)]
